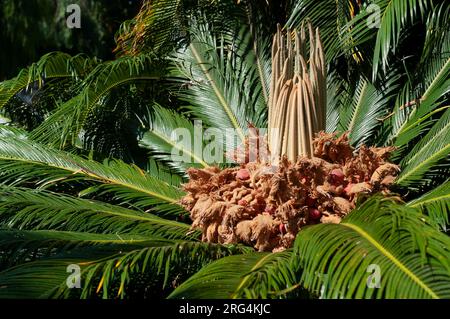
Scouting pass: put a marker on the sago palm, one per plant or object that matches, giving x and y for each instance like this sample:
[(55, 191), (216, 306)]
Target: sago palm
[(66, 203)]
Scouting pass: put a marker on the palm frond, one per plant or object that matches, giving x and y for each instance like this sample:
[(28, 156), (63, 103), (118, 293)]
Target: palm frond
[(224, 89), (24, 208), (435, 203), (253, 275), (161, 25), (24, 161), (22, 246), (437, 33), (339, 95), (51, 65), (253, 60), (50, 254), (14, 132), (330, 16), (151, 26), (111, 270), (417, 102), (163, 142), (259, 33), (158, 170), (368, 104), (395, 17), (413, 258), (432, 148), (66, 123)]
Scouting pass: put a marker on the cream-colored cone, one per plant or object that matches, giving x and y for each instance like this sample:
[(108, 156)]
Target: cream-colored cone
[(297, 102)]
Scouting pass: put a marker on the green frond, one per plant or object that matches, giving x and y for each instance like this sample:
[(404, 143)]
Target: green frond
[(412, 257), (161, 25), (396, 15), (24, 208), (210, 61), (435, 203), (339, 95), (162, 140), (158, 170), (67, 122), (416, 105), (48, 255), (51, 65), (223, 89), (399, 116), (360, 118), (330, 16), (112, 270), (24, 161), (21, 246), (253, 275), (432, 148), (258, 40), (152, 25), (171, 260), (11, 131), (253, 61), (437, 33), (368, 105)]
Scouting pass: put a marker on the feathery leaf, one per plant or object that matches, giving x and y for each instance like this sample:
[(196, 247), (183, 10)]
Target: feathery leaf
[(412, 257), (255, 275)]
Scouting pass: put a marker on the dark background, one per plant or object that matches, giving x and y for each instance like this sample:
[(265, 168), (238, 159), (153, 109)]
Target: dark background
[(31, 28)]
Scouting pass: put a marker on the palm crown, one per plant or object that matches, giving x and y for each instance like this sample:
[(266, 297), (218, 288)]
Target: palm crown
[(91, 181)]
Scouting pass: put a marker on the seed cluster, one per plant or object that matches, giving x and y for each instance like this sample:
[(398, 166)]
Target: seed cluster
[(265, 206)]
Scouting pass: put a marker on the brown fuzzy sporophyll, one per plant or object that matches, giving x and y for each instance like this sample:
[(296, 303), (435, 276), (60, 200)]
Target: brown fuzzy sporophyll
[(310, 176)]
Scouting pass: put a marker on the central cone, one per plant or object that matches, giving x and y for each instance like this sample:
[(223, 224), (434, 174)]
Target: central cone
[(297, 102)]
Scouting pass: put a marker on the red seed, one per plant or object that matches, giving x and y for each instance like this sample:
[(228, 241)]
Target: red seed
[(282, 228), (243, 174), (242, 202), (337, 176), (310, 201), (314, 213)]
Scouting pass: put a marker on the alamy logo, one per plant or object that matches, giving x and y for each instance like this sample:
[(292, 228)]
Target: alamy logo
[(74, 279), (74, 19), (374, 19), (374, 279)]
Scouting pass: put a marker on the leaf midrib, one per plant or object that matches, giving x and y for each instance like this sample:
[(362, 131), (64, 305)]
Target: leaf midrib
[(392, 258), (422, 98), (203, 163), (357, 108), (427, 92), (433, 199), (246, 278), (219, 95), (131, 215), (403, 176), (423, 149), (95, 176)]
